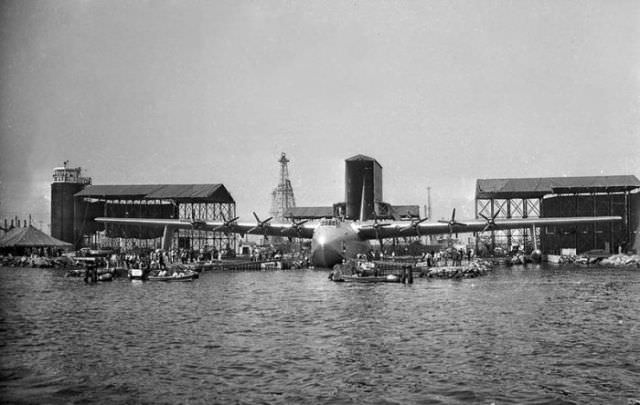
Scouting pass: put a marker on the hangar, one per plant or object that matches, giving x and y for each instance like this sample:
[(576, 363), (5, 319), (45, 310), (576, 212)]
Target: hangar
[(181, 201), (563, 197)]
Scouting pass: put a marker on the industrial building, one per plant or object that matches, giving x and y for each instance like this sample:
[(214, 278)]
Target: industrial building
[(75, 203), (563, 197)]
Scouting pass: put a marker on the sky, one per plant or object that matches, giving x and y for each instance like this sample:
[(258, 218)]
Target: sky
[(440, 93)]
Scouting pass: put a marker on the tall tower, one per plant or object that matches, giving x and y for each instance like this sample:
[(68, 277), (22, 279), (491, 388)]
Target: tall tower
[(66, 182), (282, 195)]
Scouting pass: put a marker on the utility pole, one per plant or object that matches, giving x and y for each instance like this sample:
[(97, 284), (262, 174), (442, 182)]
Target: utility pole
[(428, 213)]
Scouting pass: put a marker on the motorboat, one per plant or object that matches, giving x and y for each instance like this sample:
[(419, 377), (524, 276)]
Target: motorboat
[(176, 276)]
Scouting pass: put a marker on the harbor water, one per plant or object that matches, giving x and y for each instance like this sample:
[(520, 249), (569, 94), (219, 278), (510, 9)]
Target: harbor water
[(517, 335)]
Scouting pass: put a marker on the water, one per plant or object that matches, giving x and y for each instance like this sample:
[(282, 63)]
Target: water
[(535, 335)]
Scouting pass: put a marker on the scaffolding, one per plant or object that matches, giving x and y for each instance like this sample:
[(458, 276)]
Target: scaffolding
[(282, 196)]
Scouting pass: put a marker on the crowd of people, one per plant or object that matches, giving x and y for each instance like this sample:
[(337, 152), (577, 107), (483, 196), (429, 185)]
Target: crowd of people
[(446, 257), (160, 259)]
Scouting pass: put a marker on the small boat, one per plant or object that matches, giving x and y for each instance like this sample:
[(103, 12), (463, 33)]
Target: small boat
[(136, 274), (391, 278), (187, 275)]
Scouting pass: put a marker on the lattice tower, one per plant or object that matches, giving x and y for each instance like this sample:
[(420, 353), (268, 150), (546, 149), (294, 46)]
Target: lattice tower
[(282, 195)]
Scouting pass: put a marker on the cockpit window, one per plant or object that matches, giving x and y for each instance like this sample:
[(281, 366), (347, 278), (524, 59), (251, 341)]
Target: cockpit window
[(328, 222)]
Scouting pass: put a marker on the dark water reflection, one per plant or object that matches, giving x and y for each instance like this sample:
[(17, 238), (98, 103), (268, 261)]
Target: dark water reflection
[(515, 336)]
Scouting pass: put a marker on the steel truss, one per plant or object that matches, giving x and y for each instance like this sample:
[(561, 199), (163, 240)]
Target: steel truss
[(200, 239), (183, 238), (509, 208)]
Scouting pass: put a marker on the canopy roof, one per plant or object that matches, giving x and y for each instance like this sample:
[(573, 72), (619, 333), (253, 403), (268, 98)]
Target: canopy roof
[(178, 192), (538, 187), (31, 237)]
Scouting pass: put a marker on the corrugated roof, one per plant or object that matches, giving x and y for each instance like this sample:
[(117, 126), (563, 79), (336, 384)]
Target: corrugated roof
[(178, 192), (310, 212), (118, 190), (185, 191), (540, 186)]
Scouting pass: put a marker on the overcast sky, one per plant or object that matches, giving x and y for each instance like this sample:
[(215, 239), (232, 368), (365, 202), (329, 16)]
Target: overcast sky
[(441, 93)]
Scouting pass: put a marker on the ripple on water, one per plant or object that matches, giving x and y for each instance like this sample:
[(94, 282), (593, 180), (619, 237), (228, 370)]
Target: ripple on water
[(515, 336)]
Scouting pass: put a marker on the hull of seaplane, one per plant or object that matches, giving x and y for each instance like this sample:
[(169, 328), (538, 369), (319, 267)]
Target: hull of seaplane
[(333, 243)]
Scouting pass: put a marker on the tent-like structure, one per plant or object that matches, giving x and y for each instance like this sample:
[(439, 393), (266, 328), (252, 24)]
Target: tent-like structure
[(30, 237)]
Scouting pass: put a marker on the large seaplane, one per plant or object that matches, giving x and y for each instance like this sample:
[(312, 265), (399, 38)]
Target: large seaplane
[(335, 239)]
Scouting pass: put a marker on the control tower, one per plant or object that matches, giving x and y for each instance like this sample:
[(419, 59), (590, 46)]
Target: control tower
[(66, 182)]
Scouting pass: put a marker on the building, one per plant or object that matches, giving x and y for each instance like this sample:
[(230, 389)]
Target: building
[(67, 181), (75, 203), (563, 197), (191, 202)]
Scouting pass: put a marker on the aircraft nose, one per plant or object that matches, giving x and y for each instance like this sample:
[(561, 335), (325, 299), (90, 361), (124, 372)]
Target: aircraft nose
[(326, 255)]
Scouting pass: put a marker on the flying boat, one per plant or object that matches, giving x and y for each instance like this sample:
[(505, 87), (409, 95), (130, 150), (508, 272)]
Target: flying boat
[(336, 239)]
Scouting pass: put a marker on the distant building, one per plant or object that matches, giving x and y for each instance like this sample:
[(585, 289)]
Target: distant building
[(75, 203), (564, 197)]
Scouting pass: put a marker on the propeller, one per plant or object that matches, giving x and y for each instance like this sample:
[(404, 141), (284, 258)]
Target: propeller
[(225, 225), (296, 227), (414, 224), (196, 223), (491, 222), (260, 225), (376, 227), (452, 222)]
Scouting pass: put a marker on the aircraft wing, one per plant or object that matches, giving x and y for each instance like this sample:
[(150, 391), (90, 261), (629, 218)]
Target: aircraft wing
[(406, 228), (296, 230)]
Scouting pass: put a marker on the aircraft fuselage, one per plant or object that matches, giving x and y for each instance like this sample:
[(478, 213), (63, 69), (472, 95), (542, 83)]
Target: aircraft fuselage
[(335, 240)]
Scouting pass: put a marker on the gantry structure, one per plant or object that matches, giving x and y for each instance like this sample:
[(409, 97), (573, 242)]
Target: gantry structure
[(282, 198)]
